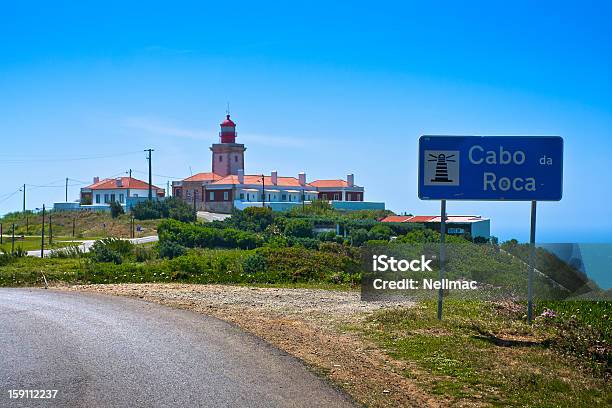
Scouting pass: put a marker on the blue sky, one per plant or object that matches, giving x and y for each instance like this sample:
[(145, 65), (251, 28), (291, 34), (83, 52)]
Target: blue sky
[(324, 87)]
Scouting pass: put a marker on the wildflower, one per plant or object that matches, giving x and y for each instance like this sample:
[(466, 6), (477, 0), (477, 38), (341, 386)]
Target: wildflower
[(548, 313)]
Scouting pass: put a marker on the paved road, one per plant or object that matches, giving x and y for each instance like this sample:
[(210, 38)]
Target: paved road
[(86, 245), (103, 351), (211, 216)]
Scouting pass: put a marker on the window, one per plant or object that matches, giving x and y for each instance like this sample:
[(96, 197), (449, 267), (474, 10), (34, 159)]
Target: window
[(195, 194), (236, 158), (220, 158), (105, 198), (211, 196), (284, 197), (121, 198), (242, 196), (97, 198), (112, 198), (188, 194), (225, 195), (178, 192), (336, 196)]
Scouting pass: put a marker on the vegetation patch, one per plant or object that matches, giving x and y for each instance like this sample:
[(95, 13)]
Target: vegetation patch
[(462, 361)]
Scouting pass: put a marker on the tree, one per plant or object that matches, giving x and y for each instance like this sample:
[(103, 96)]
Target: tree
[(116, 209), (299, 228)]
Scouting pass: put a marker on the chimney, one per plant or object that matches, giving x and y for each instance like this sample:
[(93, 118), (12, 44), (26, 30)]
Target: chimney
[(350, 180), (96, 180), (240, 176), (274, 177), (119, 182), (302, 178)]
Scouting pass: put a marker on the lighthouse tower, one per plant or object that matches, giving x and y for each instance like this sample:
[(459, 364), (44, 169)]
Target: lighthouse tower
[(227, 156)]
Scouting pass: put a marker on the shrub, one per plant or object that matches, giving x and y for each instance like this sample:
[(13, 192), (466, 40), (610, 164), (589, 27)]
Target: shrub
[(72, 251), (358, 236), (380, 232), (170, 249), (143, 254), (171, 207), (253, 219), (193, 236), (300, 228), (301, 264), (102, 253), (116, 209), (254, 263), (111, 250)]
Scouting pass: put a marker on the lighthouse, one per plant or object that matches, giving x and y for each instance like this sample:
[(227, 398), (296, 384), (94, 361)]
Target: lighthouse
[(227, 155)]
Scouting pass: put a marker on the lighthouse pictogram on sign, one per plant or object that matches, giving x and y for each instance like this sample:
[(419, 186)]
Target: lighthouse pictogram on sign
[(441, 168)]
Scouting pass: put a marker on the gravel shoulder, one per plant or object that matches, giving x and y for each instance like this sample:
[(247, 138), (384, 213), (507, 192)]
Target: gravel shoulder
[(310, 324)]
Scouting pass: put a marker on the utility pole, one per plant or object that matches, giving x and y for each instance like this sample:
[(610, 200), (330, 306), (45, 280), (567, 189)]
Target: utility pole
[(73, 226), (263, 191), (42, 242), (24, 196), (150, 175), (50, 230), (66, 189), (0, 233), (13, 241), (168, 189)]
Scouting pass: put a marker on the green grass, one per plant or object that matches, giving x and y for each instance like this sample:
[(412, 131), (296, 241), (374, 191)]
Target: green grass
[(461, 357), (32, 243), (88, 224), (26, 271)]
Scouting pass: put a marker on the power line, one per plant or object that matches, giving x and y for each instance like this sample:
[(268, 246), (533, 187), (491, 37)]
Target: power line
[(10, 195), (65, 158), (158, 175)]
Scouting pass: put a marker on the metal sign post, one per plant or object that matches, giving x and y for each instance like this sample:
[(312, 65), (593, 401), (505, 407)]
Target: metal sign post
[(42, 234), (442, 253), (531, 262)]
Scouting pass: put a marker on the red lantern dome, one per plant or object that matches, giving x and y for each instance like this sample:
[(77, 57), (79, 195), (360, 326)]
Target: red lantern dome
[(228, 131)]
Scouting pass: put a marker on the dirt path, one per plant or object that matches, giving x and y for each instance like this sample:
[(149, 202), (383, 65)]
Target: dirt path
[(310, 324)]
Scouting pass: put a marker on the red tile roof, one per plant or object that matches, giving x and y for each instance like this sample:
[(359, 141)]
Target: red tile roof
[(126, 182), (329, 183), (432, 218), (256, 179), (421, 218), (396, 218), (203, 177)]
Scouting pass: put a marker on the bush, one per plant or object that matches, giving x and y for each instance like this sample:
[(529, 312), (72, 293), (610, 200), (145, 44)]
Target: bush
[(358, 236), (300, 228), (143, 254), (380, 232), (111, 250), (253, 219), (299, 264), (169, 249), (102, 253), (171, 207), (254, 263), (116, 209), (199, 236), (72, 251)]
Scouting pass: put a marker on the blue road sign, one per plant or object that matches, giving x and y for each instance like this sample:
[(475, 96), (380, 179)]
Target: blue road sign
[(514, 168)]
